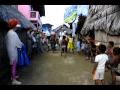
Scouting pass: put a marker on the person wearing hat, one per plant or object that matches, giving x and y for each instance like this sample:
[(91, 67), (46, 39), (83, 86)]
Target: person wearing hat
[(12, 43)]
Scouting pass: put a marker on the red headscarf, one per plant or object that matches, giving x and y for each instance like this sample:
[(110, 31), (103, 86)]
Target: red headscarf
[(12, 23)]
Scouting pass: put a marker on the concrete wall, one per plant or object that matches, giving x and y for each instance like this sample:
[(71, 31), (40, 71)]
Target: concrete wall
[(25, 10)]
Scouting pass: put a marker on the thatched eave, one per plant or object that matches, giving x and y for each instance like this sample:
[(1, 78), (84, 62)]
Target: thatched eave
[(7, 12), (103, 17)]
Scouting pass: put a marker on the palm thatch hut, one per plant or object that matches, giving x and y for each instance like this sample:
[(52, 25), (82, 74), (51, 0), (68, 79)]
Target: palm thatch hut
[(104, 21)]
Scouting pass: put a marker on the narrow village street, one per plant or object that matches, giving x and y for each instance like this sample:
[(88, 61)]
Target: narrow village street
[(36, 41), (54, 69)]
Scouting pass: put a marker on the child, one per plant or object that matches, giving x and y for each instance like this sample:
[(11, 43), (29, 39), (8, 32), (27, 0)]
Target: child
[(109, 50), (70, 44), (93, 51), (53, 42), (78, 46), (114, 63), (63, 45), (83, 47), (60, 41), (99, 68), (87, 50)]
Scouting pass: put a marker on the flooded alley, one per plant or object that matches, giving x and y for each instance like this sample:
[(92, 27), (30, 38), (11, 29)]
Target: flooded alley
[(54, 69), (59, 44)]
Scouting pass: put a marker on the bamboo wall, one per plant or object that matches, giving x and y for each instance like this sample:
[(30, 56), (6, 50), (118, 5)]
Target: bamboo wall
[(104, 38)]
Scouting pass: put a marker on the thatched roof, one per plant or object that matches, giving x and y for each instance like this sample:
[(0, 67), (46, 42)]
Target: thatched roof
[(61, 27), (103, 17), (7, 12)]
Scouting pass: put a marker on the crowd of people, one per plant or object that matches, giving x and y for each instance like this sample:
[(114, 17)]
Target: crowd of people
[(38, 41), (107, 57), (103, 56), (34, 41)]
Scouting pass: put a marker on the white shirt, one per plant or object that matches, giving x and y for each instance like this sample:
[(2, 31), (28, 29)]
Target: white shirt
[(60, 40), (83, 46), (101, 59), (12, 43)]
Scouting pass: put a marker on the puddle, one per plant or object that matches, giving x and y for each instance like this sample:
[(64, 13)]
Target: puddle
[(54, 54), (69, 60)]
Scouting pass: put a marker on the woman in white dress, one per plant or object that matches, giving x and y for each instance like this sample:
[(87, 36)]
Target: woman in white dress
[(13, 42)]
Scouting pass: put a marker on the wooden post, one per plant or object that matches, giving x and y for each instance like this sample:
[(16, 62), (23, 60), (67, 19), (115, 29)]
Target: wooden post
[(107, 30)]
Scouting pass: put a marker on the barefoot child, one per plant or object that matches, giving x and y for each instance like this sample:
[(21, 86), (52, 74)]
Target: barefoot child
[(70, 44), (99, 68), (63, 45)]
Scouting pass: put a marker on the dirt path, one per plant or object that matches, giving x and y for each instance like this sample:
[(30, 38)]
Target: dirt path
[(53, 69)]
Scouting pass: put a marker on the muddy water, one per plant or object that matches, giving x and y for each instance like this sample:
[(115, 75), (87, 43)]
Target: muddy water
[(54, 69)]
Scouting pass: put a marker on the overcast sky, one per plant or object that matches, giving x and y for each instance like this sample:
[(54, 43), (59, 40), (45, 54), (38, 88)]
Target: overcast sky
[(54, 14)]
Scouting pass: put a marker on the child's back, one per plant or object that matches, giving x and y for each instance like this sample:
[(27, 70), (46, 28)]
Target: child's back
[(101, 59), (63, 43), (70, 40), (100, 62)]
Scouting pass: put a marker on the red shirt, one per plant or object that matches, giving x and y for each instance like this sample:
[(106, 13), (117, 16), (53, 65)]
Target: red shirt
[(110, 51)]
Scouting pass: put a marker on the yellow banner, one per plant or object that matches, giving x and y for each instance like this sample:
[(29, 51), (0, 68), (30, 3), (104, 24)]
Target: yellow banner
[(71, 17)]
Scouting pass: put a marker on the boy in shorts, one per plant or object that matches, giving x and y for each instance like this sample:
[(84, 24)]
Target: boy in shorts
[(63, 45), (99, 68)]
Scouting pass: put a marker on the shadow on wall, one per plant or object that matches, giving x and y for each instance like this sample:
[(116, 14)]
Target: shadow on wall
[(4, 61)]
